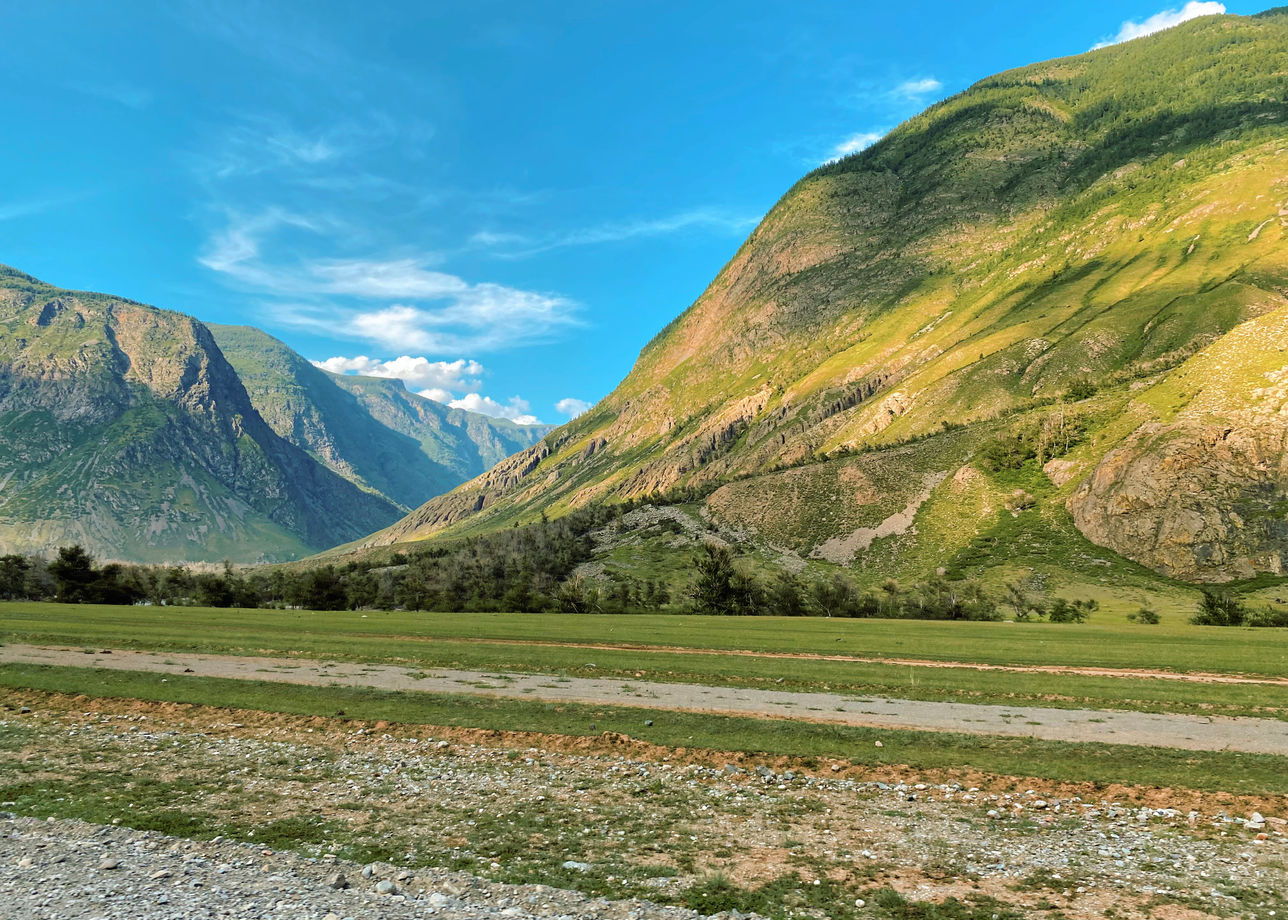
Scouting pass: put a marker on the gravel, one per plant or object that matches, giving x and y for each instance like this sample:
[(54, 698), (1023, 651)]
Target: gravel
[(594, 816), (71, 870)]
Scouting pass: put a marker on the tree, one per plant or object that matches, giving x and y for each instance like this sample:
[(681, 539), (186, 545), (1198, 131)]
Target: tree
[(13, 576), (1019, 600), (73, 573), (714, 590)]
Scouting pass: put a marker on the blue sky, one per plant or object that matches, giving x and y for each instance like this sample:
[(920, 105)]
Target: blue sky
[(498, 202)]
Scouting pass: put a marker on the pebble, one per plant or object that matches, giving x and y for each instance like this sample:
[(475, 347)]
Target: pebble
[(229, 879)]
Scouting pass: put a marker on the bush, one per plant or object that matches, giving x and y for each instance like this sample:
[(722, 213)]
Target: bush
[(1219, 609), (1145, 614), (1080, 390), (1267, 616)]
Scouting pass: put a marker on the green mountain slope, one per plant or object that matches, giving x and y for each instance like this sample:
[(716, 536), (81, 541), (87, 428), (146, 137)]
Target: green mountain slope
[(123, 428), (372, 432), (1006, 335)]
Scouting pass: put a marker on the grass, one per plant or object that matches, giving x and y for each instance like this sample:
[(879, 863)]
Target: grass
[(428, 641), (1055, 761), (391, 635)]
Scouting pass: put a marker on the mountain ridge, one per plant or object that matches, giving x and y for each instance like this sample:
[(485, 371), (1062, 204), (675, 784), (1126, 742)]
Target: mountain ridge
[(125, 428)]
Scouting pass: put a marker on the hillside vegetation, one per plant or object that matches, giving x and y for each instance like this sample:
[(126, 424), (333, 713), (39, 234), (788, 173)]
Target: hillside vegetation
[(1038, 327)]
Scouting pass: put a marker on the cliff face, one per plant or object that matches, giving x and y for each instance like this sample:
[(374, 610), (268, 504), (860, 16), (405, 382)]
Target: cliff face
[(123, 428), (1090, 225), (1200, 490)]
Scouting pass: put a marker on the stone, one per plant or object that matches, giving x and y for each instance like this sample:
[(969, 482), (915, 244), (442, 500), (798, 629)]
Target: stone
[(337, 882), (109, 863), (576, 866), (384, 886)]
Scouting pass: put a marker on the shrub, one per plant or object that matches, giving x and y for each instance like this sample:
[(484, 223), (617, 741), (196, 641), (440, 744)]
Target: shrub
[(1145, 614), (1267, 616), (1219, 609)]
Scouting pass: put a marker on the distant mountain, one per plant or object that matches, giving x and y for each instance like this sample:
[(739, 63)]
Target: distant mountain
[(127, 429), (123, 428), (1040, 327), (372, 431)]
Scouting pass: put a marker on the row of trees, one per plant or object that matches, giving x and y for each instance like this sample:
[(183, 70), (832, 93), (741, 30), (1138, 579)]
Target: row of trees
[(532, 569), (723, 588)]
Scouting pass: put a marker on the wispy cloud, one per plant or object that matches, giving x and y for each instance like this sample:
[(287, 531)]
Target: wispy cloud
[(123, 94), (256, 146), (434, 379), (11, 210), (432, 311), (711, 220), (516, 410), (573, 407), (915, 90), (854, 143), (1163, 20)]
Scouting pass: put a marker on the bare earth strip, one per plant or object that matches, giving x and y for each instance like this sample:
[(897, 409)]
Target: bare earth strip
[(1197, 733), (1194, 677)]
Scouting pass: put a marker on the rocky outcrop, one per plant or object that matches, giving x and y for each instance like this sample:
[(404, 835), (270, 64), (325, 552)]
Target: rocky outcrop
[(1204, 504)]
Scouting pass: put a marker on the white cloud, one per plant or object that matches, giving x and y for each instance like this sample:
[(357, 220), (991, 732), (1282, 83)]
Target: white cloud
[(854, 143), (515, 411), (446, 314), (709, 219), (490, 238), (915, 89), (437, 395), (419, 373), (573, 407), (1164, 20)]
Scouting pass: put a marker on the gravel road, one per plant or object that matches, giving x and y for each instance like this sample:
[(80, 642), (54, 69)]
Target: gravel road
[(1187, 732)]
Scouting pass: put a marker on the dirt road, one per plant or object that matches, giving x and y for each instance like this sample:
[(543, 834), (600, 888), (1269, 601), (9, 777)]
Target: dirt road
[(1198, 733)]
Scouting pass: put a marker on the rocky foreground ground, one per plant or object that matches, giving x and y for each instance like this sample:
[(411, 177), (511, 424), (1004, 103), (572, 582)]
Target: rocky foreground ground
[(72, 870), (437, 817)]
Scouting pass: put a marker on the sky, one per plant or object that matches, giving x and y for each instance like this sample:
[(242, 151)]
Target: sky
[(498, 202)]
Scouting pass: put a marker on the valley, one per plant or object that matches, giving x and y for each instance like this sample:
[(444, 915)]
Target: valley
[(932, 564)]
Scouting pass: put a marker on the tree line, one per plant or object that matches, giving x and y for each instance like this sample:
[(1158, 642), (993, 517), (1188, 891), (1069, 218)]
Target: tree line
[(535, 568)]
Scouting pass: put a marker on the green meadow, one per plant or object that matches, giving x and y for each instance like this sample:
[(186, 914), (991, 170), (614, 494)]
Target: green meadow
[(726, 651)]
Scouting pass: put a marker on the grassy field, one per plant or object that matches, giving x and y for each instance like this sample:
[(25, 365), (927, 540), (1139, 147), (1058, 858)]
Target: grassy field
[(1100, 764), (700, 650), (382, 635)]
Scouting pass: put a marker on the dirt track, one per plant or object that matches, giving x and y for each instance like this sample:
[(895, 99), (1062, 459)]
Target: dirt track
[(1193, 677), (1259, 736)]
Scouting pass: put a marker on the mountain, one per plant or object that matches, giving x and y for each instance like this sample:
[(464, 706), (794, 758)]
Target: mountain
[(1040, 326), (144, 435), (372, 431), (123, 428)]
